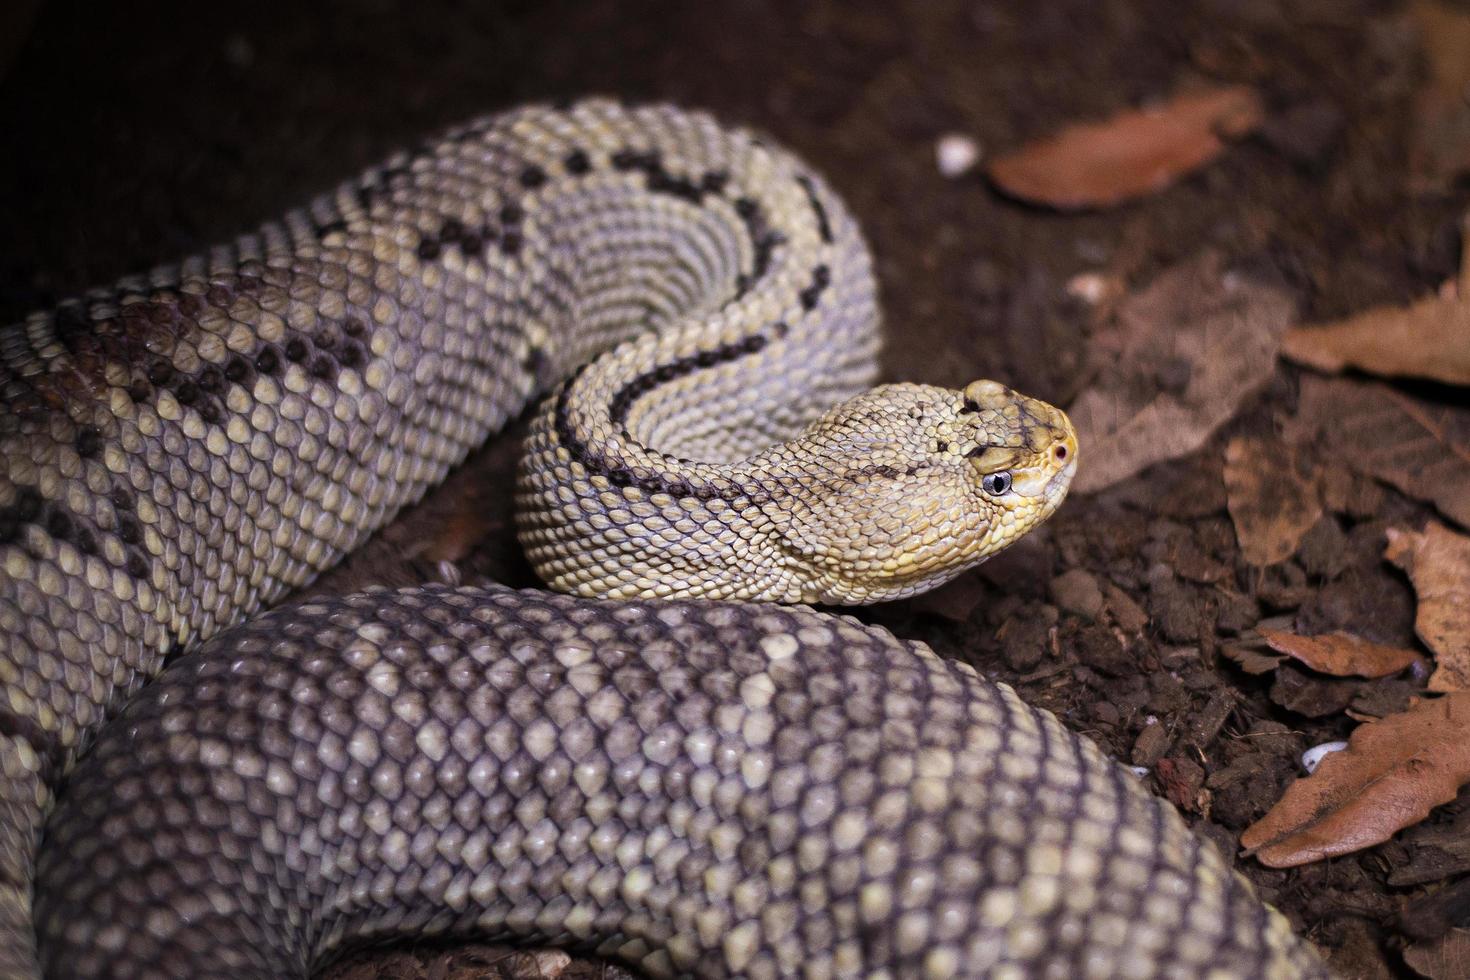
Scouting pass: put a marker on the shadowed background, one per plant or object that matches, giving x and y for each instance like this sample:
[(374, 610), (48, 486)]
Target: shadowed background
[(135, 133)]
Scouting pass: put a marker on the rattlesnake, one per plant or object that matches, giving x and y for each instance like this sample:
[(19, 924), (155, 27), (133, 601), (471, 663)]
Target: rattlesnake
[(679, 774)]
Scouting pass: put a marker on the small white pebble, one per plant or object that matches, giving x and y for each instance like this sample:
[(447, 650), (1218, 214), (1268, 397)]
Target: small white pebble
[(1312, 758), (1140, 771), (1091, 287), (956, 154)]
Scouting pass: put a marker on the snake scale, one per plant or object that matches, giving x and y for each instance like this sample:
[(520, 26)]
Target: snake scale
[(671, 768)]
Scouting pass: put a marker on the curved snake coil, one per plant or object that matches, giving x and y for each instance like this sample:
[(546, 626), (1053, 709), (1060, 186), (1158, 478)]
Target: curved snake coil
[(695, 786)]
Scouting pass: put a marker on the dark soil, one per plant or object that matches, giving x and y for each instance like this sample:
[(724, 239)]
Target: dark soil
[(137, 135)]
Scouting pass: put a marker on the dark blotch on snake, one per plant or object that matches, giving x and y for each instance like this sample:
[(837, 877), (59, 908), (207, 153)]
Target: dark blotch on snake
[(89, 442), (811, 295), (268, 361), (577, 162)]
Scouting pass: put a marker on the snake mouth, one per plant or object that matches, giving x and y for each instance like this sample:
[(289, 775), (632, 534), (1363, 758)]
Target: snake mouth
[(1061, 481)]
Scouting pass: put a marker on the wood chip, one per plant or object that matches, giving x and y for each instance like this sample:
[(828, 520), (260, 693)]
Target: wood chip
[(1438, 563), (1390, 776), (1131, 155), (1182, 780), (1340, 654)]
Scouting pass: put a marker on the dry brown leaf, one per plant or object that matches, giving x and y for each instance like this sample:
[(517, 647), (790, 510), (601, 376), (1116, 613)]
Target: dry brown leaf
[(1430, 339), (1445, 958), (1420, 448), (1130, 155), (1360, 955), (1175, 363), (1441, 148), (1340, 654), (1390, 776), (1251, 660), (1272, 503), (1438, 563)]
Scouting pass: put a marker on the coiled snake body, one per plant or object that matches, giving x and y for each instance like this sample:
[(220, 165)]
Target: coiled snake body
[(694, 784)]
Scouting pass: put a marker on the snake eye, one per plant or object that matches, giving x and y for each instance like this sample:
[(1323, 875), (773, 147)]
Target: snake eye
[(997, 484)]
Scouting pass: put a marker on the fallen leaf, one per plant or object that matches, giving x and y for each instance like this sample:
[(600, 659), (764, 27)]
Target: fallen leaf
[(1421, 448), (1340, 654), (1360, 954), (1251, 660), (1174, 364), (1440, 151), (1445, 958), (1390, 776), (1272, 502), (1438, 563), (1130, 155), (1430, 339), (1350, 493)]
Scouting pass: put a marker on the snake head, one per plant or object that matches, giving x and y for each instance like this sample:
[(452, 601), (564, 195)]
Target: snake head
[(922, 483), (1023, 451)]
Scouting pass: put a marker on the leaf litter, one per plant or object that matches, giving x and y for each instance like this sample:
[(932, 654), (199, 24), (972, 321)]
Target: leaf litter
[(1390, 776), (1273, 499), (1437, 561), (1340, 654), (1174, 364), (1416, 446), (1130, 155), (1429, 338)]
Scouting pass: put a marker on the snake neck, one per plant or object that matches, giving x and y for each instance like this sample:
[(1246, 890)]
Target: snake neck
[(658, 442)]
